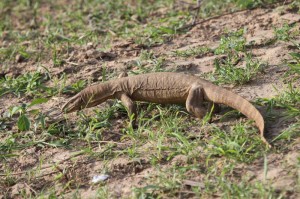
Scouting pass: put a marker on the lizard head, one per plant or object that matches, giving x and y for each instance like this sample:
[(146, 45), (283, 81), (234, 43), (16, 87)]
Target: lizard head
[(89, 97), (74, 104)]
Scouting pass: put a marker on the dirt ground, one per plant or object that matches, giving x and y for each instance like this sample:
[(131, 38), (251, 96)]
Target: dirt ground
[(86, 63)]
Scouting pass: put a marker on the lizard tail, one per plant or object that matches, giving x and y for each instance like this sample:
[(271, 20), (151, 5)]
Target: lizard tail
[(222, 96)]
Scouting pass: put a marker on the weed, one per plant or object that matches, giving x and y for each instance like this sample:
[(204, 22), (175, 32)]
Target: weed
[(29, 83), (288, 100), (289, 133), (227, 72), (295, 63), (75, 88), (103, 192), (14, 53), (231, 43), (162, 184), (149, 62), (216, 7), (233, 47), (193, 52), (57, 61), (23, 121), (237, 144), (284, 33)]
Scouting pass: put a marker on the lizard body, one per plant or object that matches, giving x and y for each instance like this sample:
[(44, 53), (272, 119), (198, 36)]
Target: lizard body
[(164, 88)]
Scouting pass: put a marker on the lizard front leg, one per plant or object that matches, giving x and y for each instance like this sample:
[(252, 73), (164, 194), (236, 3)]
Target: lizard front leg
[(194, 101), (129, 105)]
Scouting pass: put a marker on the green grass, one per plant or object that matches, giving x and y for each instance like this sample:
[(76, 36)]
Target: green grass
[(105, 20), (228, 72), (167, 183), (288, 101), (236, 65), (148, 62), (28, 83), (168, 143), (193, 52), (238, 144), (288, 33)]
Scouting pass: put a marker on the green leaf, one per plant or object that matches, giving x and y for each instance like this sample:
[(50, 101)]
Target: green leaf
[(34, 111), (23, 123), (295, 56), (37, 101), (3, 91), (15, 109)]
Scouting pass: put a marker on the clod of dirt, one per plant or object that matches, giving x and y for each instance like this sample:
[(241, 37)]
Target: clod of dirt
[(179, 160), (123, 44), (285, 183), (19, 189), (95, 54), (20, 58)]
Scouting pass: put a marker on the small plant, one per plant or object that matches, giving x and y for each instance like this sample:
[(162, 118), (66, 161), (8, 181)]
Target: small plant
[(289, 133), (217, 7), (91, 127), (233, 46), (76, 87), (148, 62), (29, 83), (238, 144), (24, 123), (252, 3), (159, 31), (193, 52), (284, 33), (11, 53), (231, 43), (288, 100), (161, 184), (57, 61), (294, 64), (227, 71)]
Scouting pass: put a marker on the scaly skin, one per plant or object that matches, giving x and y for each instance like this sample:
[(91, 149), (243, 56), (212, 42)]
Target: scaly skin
[(164, 88)]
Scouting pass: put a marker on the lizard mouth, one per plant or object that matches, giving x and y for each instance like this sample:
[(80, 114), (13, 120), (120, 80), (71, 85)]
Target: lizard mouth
[(72, 105), (78, 104)]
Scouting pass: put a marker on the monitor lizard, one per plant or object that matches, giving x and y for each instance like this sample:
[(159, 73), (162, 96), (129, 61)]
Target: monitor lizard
[(164, 88)]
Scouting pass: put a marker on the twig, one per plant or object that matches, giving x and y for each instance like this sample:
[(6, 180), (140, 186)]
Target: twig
[(107, 142), (199, 2), (31, 188)]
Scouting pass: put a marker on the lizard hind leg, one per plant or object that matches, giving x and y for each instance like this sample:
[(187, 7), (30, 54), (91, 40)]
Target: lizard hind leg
[(194, 101)]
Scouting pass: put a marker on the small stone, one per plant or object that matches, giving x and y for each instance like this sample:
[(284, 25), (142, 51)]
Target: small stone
[(89, 46), (99, 178), (286, 184), (20, 58)]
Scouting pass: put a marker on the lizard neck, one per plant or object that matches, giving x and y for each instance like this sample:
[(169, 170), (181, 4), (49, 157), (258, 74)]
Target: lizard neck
[(99, 93)]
